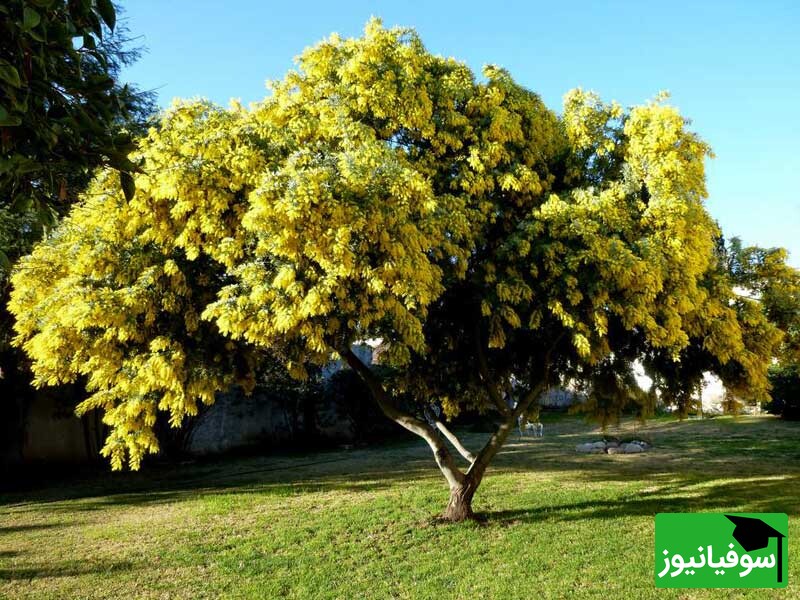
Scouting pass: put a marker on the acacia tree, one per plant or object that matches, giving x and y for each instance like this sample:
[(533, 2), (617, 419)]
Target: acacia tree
[(616, 262), (383, 192)]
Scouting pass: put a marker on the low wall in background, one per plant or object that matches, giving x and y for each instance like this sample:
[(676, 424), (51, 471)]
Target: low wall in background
[(44, 428)]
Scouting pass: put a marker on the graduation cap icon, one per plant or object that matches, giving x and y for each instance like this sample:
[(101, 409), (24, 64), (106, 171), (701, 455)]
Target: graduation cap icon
[(754, 534)]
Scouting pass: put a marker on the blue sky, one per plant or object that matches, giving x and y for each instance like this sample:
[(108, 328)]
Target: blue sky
[(732, 67)]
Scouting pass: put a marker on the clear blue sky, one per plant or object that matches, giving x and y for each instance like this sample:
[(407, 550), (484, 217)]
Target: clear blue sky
[(733, 67)]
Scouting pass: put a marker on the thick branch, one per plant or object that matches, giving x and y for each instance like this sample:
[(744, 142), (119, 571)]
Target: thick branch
[(487, 453), (440, 452), (524, 404), (455, 441), (492, 447), (499, 437)]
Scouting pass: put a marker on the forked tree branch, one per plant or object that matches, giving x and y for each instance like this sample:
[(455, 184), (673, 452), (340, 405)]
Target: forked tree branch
[(498, 438), (469, 456), (444, 459)]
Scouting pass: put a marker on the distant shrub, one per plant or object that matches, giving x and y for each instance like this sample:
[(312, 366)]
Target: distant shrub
[(785, 391)]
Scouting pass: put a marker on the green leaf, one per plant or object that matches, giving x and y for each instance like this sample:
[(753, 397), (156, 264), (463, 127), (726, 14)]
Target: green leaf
[(9, 74), (95, 26), (107, 12), (22, 203), (36, 36), (5, 264), (7, 120), (47, 216), (30, 18), (128, 186)]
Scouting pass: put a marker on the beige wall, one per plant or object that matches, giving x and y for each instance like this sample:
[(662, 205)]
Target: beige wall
[(53, 433)]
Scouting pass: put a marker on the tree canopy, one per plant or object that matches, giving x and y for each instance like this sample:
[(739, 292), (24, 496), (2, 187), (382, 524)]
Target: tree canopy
[(380, 191)]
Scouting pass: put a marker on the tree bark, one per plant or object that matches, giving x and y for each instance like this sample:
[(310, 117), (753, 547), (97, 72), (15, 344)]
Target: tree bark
[(459, 507), (451, 437)]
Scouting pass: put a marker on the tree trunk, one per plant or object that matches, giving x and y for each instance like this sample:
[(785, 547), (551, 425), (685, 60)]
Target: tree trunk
[(462, 485), (427, 432), (459, 507)]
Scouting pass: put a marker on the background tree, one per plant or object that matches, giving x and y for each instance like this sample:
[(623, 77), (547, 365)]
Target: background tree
[(785, 379), (762, 275), (382, 192), (63, 112)]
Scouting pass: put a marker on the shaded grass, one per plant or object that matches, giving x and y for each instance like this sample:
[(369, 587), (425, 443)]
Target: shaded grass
[(361, 523)]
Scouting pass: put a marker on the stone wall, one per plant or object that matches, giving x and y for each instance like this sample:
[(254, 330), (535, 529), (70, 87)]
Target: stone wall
[(44, 428), (236, 421)]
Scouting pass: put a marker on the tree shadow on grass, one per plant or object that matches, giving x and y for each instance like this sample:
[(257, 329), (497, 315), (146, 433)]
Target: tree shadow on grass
[(361, 469), (156, 490), (752, 495), (673, 468), (19, 528), (71, 568)]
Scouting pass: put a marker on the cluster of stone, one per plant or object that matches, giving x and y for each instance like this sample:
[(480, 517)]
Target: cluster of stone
[(634, 447)]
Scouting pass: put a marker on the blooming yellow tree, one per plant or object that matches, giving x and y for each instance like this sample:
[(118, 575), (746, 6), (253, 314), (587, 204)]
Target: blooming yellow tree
[(383, 192)]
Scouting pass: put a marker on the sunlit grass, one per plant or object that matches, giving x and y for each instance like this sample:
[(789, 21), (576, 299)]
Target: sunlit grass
[(360, 523)]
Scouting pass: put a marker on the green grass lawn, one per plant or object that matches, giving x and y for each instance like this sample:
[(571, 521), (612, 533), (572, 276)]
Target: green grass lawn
[(359, 523)]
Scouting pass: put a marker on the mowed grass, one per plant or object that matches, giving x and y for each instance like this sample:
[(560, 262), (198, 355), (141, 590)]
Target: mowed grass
[(360, 523)]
